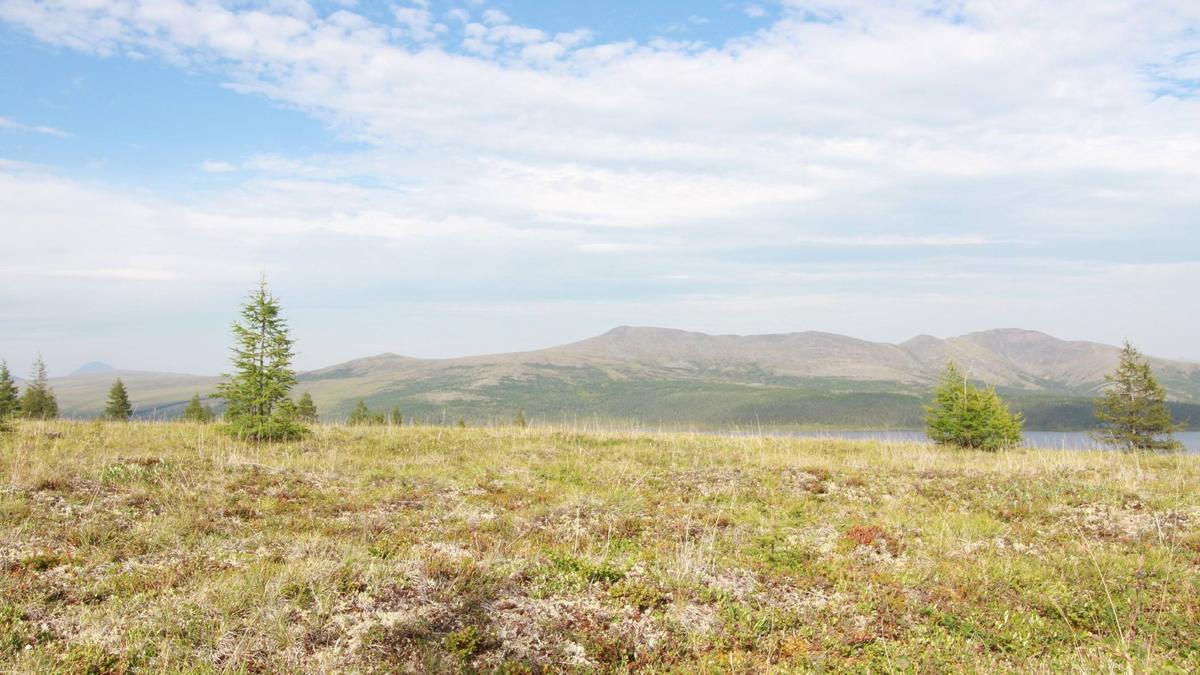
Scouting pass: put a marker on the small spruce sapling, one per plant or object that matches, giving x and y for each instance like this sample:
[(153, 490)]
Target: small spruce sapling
[(38, 402), (360, 415), (118, 408), (306, 409), (10, 403), (198, 412)]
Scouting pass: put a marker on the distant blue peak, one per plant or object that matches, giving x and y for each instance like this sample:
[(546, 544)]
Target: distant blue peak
[(92, 368)]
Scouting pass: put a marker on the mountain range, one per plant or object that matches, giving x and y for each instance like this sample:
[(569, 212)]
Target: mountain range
[(667, 377)]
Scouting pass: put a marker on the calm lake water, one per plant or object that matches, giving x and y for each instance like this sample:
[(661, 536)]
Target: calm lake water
[(1061, 440)]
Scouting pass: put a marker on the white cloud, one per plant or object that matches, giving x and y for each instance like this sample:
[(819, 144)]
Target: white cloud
[(840, 123), (495, 17), (213, 166), (886, 101), (419, 23)]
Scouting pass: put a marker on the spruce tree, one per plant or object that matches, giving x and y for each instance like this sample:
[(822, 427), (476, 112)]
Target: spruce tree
[(520, 419), (198, 412), (1133, 410), (8, 398), (969, 417), (306, 410), (256, 393), (397, 416), (360, 415), (38, 402), (119, 408), (10, 401)]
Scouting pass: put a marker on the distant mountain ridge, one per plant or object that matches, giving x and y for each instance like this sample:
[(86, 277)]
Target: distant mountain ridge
[(669, 376), (92, 368)]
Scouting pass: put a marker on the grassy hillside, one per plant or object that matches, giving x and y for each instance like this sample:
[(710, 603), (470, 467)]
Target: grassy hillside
[(562, 394), (677, 379), (154, 395), (172, 547)]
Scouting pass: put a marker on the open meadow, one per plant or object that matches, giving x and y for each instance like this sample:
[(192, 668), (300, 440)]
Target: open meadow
[(156, 547)]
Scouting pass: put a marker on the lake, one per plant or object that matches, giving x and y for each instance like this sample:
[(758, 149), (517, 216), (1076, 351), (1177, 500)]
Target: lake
[(1058, 440)]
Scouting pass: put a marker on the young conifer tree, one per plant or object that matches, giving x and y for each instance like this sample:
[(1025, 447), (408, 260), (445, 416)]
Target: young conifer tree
[(306, 409), (360, 415), (969, 417), (119, 408), (397, 416), (1133, 410), (38, 402), (10, 396), (520, 420), (256, 393), (198, 412)]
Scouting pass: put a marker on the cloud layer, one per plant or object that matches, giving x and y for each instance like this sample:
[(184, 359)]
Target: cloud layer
[(908, 156)]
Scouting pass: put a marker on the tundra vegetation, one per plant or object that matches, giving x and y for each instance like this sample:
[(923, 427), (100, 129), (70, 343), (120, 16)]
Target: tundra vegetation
[(176, 546)]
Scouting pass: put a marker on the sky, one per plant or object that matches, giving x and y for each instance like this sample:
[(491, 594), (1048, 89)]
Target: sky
[(442, 178)]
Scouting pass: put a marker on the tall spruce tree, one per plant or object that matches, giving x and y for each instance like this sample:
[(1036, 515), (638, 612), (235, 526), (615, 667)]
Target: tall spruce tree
[(256, 393), (966, 416), (1133, 410), (10, 396), (198, 412), (38, 402), (306, 409), (118, 408)]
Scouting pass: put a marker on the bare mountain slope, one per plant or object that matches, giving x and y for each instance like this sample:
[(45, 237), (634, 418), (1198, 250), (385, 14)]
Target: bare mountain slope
[(663, 374)]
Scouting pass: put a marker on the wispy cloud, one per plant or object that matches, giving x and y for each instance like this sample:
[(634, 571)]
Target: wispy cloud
[(13, 125)]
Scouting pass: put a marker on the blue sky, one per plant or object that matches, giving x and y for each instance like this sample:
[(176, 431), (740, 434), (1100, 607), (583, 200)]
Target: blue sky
[(446, 178)]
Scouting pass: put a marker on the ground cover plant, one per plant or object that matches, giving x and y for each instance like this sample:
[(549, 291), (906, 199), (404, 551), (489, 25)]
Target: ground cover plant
[(177, 547)]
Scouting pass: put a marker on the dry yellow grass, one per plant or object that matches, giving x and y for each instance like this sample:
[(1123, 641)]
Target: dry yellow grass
[(173, 547)]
